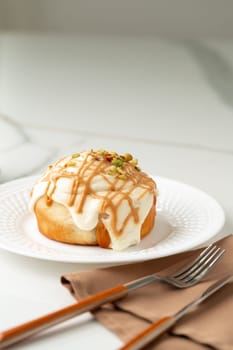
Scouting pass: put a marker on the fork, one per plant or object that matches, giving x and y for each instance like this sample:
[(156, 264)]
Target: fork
[(186, 277)]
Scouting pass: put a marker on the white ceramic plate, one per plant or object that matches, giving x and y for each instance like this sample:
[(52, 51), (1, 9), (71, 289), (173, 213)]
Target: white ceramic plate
[(186, 218)]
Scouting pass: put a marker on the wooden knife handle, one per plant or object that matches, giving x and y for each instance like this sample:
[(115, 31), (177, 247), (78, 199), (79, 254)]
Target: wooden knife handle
[(20, 332), (149, 334)]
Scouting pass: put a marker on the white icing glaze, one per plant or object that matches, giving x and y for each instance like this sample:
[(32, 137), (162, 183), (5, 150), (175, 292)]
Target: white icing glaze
[(60, 188)]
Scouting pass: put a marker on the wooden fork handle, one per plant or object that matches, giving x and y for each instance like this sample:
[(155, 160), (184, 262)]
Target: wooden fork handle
[(151, 333), (20, 332)]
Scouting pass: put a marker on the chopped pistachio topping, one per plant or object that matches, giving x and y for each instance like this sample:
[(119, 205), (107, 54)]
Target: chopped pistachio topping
[(127, 157), (120, 170), (102, 151), (75, 155), (117, 161), (112, 171), (134, 162), (70, 163), (123, 176)]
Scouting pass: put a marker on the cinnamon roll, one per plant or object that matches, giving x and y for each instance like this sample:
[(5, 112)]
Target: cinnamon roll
[(95, 198)]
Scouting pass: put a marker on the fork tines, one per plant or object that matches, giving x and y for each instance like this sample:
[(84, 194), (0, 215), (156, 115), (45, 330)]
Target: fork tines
[(201, 265)]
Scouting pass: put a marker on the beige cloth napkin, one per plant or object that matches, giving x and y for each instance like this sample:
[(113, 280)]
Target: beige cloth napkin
[(208, 327)]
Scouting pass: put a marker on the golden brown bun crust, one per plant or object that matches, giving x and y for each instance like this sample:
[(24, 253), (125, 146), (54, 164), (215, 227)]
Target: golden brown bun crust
[(56, 223), (149, 222)]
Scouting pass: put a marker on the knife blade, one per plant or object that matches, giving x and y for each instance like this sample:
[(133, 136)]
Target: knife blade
[(159, 327)]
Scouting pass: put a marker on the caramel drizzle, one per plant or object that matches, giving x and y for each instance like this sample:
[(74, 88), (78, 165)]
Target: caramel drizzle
[(82, 180)]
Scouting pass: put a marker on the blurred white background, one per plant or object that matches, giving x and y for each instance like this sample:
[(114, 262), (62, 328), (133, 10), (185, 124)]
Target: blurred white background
[(144, 60)]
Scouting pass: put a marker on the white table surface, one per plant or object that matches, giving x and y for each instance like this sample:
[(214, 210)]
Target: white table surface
[(168, 103)]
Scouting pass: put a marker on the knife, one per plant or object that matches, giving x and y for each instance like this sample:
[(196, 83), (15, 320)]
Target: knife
[(159, 327)]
